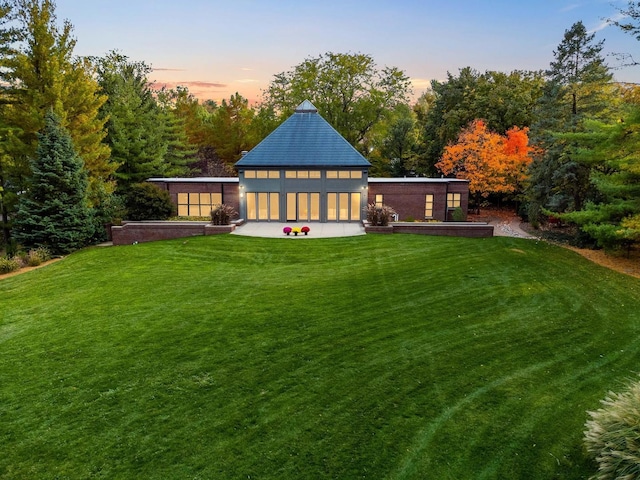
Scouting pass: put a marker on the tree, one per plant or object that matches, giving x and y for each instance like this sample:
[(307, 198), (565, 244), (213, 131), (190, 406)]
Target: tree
[(491, 162), (348, 90), (53, 212), (610, 150), (146, 201), (393, 144), (230, 125), (629, 23), (44, 75), (145, 139), (209, 164), (578, 87), (8, 197), (501, 99), (578, 67)]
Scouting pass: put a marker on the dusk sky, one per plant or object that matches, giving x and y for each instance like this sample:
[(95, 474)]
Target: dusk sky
[(217, 48)]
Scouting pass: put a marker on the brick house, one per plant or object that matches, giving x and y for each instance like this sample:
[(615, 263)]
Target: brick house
[(306, 171)]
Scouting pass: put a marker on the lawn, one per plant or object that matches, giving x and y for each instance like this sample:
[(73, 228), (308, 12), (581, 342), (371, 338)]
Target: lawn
[(383, 357)]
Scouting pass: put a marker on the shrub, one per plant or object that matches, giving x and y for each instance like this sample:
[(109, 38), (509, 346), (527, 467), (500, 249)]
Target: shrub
[(9, 264), (37, 256), (145, 201), (612, 435), (458, 215), (379, 215), (222, 213)]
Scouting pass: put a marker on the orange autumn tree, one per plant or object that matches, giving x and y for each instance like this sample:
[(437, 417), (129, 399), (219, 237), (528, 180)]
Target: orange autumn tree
[(491, 162)]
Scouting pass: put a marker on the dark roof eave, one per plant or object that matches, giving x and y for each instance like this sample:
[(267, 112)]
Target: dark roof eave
[(299, 166)]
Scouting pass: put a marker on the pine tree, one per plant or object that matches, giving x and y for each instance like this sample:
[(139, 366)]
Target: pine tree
[(53, 212), (145, 139), (578, 87), (612, 151)]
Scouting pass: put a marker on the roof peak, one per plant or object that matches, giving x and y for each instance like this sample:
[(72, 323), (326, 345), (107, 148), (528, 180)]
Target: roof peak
[(306, 107)]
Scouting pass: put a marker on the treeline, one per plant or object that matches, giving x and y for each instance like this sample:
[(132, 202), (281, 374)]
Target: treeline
[(558, 143)]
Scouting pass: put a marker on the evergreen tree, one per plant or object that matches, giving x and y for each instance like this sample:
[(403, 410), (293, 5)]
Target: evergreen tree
[(145, 137), (612, 152), (53, 212), (578, 87), (45, 75)]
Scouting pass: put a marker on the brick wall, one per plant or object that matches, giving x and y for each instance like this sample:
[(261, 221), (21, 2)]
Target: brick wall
[(229, 190), (408, 198), (140, 232)]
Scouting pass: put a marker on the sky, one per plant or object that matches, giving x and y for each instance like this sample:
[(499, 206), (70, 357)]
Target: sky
[(216, 48)]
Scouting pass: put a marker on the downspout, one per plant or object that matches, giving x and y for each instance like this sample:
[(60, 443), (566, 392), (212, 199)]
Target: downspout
[(446, 201)]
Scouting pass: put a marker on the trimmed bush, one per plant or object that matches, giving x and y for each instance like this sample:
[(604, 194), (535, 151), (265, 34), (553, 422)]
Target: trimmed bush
[(612, 437), (145, 201)]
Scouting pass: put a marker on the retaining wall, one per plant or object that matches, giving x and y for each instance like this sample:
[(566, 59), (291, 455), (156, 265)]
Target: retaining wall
[(140, 232), (451, 229)]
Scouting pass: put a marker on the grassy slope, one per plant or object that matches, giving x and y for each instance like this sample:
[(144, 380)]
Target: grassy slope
[(363, 357)]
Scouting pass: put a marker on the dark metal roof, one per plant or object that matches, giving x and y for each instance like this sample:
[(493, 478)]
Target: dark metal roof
[(304, 140)]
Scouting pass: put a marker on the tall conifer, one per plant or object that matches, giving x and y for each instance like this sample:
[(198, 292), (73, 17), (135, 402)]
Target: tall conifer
[(578, 87), (53, 211)]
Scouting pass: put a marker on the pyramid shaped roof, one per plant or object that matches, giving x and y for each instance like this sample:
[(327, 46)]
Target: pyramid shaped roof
[(304, 140)]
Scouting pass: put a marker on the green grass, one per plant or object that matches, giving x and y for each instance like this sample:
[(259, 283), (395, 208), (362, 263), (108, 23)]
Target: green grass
[(384, 357)]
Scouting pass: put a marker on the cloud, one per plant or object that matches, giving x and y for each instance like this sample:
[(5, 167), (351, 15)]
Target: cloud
[(246, 69), (191, 83), (421, 83), (168, 69), (605, 23), (247, 80), (570, 7)]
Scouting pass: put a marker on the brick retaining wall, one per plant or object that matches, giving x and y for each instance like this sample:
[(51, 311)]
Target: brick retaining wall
[(452, 229), (140, 232)]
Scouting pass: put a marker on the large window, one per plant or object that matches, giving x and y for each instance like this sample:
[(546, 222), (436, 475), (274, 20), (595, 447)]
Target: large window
[(343, 206), (428, 206), (197, 204), (453, 200), (263, 206), (303, 206)]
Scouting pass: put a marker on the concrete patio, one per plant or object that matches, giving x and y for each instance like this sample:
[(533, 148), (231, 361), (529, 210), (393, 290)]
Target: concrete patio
[(318, 230)]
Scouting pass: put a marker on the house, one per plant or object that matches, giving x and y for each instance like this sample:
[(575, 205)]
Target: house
[(305, 171)]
